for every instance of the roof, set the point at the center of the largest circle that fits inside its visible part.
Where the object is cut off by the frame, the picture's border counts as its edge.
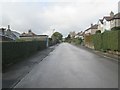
(92, 27)
(79, 33)
(2, 29)
(16, 33)
(107, 18)
(32, 36)
(30, 33)
(116, 16)
(101, 20)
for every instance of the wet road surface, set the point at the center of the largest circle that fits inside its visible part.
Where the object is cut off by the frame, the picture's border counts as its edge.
(71, 67)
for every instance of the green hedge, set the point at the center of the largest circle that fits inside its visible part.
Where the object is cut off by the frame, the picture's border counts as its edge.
(106, 41)
(76, 40)
(51, 42)
(97, 41)
(109, 40)
(13, 51)
(88, 40)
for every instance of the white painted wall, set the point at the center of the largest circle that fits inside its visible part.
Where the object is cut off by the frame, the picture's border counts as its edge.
(106, 25)
(115, 23)
(87, 32)
(100, 26)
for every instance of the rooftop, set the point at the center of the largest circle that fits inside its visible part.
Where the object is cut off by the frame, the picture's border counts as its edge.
(107, 18)
(32, 36)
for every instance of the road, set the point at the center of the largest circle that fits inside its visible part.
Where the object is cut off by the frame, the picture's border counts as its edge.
(71, 67)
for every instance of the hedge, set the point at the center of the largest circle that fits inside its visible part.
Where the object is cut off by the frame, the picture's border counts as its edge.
(97, 41)
(108, 40)
(51, 42)
(12, 51)
(76, 40)
(88, 40)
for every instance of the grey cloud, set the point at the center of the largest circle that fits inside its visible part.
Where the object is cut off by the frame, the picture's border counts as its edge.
(64, 16)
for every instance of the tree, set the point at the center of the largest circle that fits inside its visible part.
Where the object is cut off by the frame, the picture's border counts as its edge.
(68, 38)
(57, 37)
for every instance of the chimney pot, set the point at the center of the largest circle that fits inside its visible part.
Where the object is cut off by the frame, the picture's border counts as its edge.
(8, 26)
(91, 24)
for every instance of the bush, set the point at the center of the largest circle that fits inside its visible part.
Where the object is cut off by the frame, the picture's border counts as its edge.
(115, 28)
(76, 41)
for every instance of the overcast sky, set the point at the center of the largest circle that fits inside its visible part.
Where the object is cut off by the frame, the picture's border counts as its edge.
(42, 16)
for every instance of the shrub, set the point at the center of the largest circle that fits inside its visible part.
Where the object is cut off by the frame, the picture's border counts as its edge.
(76, 41)
(116, 28)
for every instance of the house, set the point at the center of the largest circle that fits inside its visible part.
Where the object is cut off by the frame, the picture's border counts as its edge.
(30, 36)
(92, 30)
(2, 31)
(115, 21)
(72, 34)
(106, 22)
(8, 35)
(2, 35)
(30, 33)
(16, 34)
(100, 25)
(79, 35)
(87, 35)
(34, 38)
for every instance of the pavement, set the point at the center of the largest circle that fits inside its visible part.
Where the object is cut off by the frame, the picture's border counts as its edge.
(68, 66)
(19, 70)
(103, 54)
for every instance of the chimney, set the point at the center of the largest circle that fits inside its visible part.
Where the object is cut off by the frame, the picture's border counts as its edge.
(91, 24)
(29, 31)
(111, 14)
(8, 26)
(3, 31)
